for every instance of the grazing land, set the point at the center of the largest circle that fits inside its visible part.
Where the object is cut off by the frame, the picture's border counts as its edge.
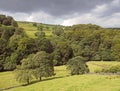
(30, 29)
(62, 81)
(49, 57)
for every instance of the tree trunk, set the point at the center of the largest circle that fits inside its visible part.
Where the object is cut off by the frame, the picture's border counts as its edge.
(28, 82)
(40, 78)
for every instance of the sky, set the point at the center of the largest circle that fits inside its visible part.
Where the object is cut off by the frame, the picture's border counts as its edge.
(105, 13)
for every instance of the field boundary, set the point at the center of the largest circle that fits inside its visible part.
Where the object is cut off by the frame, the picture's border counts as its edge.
(10, 87)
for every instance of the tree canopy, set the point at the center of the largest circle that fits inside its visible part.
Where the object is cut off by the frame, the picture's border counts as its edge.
(77, 66)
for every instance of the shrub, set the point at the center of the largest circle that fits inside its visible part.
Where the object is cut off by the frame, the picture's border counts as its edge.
(112, 69)
(77, 66)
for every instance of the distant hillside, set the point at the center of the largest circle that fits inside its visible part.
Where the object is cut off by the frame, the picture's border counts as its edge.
(32, 27)
(20, 39)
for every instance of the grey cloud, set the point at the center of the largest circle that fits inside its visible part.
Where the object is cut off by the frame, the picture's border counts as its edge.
(112, 8)
(53, 7)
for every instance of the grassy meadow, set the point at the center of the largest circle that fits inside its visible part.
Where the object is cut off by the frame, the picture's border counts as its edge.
(28, 28)
(93, 65)
(31, 30)
(62, 81)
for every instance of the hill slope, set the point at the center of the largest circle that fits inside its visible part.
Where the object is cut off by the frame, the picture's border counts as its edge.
(64, 82)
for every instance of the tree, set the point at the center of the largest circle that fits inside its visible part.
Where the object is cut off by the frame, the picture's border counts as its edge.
(26, 46)
(7, 32)
(3, 45)
(43, 65)
(13, 42)
(35, 65)
(11, 62)
(40, 27)
(2, 17)
(24, 71)
(6, 22)
(35, 24)
(77, 66)
(14, 23)
(1, 65)
(87, 53)
(116, 52)
(20, 31)
(63, 53)
(23, 76)
(10, 19)
(44, 44)
(40, 34)
(58, 31)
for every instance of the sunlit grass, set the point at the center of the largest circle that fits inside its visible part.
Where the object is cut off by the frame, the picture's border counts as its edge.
(7, 79)
(95, 65)
(63, 81)
(31, 30)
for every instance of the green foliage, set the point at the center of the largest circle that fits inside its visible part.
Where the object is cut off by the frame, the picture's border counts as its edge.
(2, 17)
(1, 65)
(20, 31)
(35, 24)
(44, 44)
(62, 53)
(3, 45)
(14, 23)
(13, 43)
(10, 35)
(36, 65)
(8, 21)
(77, 66)
(11, 62)
(24, 71)
(85, 27)
(26, 46)
(43, 65)
(112, 69)
(58, 30)
(86, 40)
(40, 34)
(116, 51)
(86, 82)
(93, 42)
(23, 75)
(40, 27)
(7, 32)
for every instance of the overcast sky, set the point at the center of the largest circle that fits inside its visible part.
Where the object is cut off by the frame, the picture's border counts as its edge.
(105, 13)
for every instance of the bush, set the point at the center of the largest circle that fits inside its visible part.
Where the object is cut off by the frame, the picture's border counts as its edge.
(97, 70)
(112, 69)
(35, 24)
(77, 66)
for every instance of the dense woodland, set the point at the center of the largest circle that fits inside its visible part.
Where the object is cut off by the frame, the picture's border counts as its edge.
(88, 41)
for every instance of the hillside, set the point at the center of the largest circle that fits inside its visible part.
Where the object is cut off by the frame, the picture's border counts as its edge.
(28, 28)
(32, 27)
(44, 57)
(59, 45)
(64, 82)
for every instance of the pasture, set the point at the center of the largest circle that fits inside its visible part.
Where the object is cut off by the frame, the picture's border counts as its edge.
(62, 81)
(31, 30)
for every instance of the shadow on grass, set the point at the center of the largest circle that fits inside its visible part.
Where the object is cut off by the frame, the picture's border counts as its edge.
(10, 87)
(33, 82)
(37, 81)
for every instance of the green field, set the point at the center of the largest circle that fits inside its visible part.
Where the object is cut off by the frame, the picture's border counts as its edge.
(28, 28)
(101, 64)
(62, 81)
(31, 30)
